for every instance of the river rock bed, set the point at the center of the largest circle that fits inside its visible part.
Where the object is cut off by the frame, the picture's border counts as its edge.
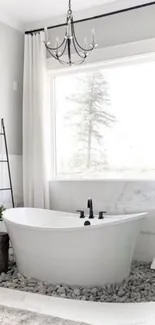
(140, 286)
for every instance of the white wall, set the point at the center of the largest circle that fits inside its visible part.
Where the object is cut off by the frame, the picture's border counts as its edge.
(115, 196)
(11, 75)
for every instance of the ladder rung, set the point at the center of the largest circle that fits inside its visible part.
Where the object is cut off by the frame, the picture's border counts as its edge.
(5, 189)
(3, 161)
(1, 133)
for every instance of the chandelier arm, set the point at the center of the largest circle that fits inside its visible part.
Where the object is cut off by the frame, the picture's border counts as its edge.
(77, 42)
(57, 58)
(54, 56)
(82, 48)
(82, 57)
(73, 64)
(78, 62)
(56, 48)
(62, 53)
(63, 62)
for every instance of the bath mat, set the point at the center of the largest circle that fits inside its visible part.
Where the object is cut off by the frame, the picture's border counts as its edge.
(23, 317)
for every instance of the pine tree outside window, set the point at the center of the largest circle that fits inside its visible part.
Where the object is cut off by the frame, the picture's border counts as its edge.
(105, 122)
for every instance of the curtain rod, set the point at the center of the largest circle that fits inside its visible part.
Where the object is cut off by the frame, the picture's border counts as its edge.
(96, 17)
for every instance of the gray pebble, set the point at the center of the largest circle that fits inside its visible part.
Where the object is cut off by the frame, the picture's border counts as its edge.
(92, 298)
(121, 293)
(40, 284)
(50, 288)
(14, 285)
(33, 281)
(63, 295)
(73, 296)
(123, 299)
(94, 291)
(29, 289)
(61, 290)
(23, 284)
(83, 298)
(42, 291)
(3, 274)
(102, 298)
(77, 292)
(29, 284)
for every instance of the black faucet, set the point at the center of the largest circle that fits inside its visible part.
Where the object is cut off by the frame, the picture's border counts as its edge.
(90, 206)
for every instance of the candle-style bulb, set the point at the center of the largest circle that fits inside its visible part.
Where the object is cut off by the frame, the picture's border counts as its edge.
(57, 42)
(46, 34)
(93, 36)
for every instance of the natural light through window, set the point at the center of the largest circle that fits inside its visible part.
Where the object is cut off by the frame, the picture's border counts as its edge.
(105, 123)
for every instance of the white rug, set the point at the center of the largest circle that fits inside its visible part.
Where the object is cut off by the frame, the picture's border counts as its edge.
(11, 316)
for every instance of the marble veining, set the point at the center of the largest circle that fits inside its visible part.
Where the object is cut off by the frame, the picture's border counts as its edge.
(19, 317)
(118, 196)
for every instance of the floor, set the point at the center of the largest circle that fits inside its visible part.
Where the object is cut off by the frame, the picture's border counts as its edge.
(89, 312)
(16, 316)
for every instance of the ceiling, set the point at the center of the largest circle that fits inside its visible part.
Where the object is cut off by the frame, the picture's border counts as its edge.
(25, 12)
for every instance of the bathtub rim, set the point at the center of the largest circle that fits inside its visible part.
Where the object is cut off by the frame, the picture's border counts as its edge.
(135, 216)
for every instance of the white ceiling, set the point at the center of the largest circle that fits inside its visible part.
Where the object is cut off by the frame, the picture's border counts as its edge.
(26, 12)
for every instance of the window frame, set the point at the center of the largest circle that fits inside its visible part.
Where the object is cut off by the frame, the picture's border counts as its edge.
(117, 56)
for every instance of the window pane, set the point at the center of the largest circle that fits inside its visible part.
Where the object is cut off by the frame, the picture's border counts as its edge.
(105, 123)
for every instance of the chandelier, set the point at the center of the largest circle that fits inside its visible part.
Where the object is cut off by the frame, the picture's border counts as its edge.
(64, 51)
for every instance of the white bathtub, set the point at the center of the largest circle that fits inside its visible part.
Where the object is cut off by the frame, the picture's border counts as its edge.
(56, 247)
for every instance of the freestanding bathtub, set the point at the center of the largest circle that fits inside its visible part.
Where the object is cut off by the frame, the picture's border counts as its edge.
(56, 247)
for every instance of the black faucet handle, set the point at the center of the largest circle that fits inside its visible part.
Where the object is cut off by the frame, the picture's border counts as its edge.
(101, 214)
(89, 202)
(81, 213)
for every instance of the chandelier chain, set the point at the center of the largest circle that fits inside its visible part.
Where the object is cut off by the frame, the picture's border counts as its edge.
(69, 5)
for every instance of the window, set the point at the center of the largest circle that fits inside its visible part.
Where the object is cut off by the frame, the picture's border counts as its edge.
(105, 122)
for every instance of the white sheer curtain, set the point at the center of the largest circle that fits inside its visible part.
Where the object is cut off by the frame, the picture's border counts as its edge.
(36, 124)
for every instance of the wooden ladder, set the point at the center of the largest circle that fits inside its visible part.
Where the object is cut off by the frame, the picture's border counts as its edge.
(3, 134)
